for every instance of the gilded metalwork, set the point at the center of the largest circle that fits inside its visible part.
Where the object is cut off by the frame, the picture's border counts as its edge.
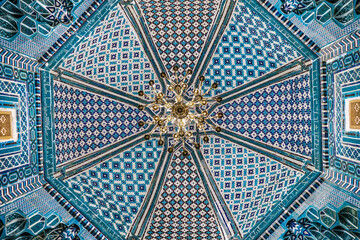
(178, 111)
(354, 112)
(5, 125)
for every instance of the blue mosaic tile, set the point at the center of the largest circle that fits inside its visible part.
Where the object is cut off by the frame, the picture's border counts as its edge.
(250, 183)
(13, 159)
(116, 188)
(249, 48)
(19, 157)
(85, 122)
(183, 210)
(111, 53)
(279, 115)
(342, 149)
(40, 202)
(340, 18)
(179, 29)
(325, 196)
(36, 45)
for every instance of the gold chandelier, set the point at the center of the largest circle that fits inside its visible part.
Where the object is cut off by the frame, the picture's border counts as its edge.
(179, 112)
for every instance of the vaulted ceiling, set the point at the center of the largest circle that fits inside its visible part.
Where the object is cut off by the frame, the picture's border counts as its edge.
(235, 185)
(135, 187)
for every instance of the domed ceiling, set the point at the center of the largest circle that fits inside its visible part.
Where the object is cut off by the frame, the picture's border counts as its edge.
(239, 180)
(234, 185)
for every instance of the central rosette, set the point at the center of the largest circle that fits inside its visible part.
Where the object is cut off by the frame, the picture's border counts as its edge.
(179, 110)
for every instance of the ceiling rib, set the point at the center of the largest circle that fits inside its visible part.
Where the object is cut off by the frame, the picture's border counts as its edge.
(221, 209)
(82, 82)
(295, 67)
(79, 165)
(144, 215)
(296, 161)
(138, 22)
(221, 22)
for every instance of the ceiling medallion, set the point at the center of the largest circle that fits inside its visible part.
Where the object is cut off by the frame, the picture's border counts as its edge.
(179, 111)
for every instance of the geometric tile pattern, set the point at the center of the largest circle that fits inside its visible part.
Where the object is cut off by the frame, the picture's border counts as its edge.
(327, 195)
(115, 189)
(250, 183)
(10, 159)
(37, 45)
(111, 53)
(347, 151)
(249, 48)
(85, 122)
(311, 24)
(40, 202)
(179, 29)
(19, 159)
(279, 115)
(183, 210)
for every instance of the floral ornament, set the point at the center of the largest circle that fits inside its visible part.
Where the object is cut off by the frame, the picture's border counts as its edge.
(54, 12)
(297, 6)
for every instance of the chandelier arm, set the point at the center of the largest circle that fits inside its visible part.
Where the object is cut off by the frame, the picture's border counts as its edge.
(177, 141)
(154, 90)
(147, 96)
(207, 92)
(168, 81)
(200, 86)
(176, 77)
(164, 99)
(186, 75)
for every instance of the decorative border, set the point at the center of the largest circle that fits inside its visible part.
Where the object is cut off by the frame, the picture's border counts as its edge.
(341, 46)
(289, 210)
(19, 61)
(342, 180)
(72, 30)
(78, 216)
(324, 116)
(340, 63)
(19, 189)
(39, 124)
(289, 25)
(332, 51)
(346, 44)
(32, 174)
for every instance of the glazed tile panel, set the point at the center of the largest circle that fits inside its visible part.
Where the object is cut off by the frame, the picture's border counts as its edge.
(20, 158)
(115, 189)
(325, 196)
(179, 29)
(341, 148)
(278, 115)
(250, 183)
(322, 21)
(86, 122)
(30, 33)
(111, 53)
(249, 48)
(19, 155)
(41, 203)
(183, 210)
